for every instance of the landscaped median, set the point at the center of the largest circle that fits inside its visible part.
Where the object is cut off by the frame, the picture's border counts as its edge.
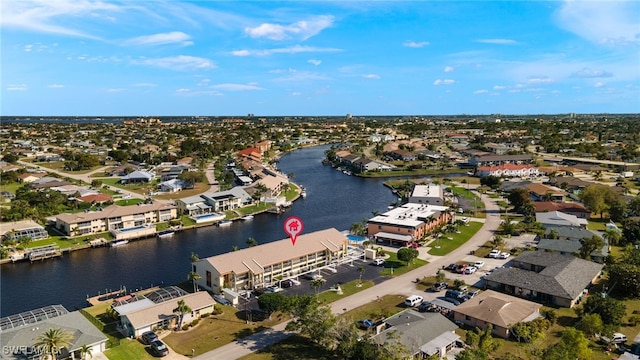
(447, 243)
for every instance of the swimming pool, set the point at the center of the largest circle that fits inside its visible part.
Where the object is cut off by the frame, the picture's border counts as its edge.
(356, 238)
(132, 228)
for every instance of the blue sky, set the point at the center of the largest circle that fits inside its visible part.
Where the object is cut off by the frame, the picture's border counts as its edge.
(137, 58)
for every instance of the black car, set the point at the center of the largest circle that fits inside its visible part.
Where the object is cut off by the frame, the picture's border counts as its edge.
(286, 283)
(451, 267)
(148, 337)
(425, 306)
(158, 348)
(451, 300)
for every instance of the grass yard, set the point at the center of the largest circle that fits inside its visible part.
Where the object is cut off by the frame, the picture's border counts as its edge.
(395, 267)
(598, 224)
(381, 308)
(129, 202)
(292, 348)
(217, 330)
(349, 288)
(446, 245)
(129, 349)
(59, 166)
(198, 189)
(12, 187)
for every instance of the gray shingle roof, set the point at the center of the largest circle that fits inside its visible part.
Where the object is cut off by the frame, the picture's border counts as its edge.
(564, 276)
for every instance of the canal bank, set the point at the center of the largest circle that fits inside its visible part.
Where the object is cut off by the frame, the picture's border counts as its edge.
(333, 200)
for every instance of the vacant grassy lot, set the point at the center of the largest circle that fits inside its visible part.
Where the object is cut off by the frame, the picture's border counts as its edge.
(349, 288)
(292, 348)
(447, 245)
(395, 267)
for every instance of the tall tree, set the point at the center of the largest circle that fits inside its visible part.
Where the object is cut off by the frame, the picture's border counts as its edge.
(590, 245)
(407, 254)
(194, 277)
(181, 310)
(518, 197)
(573, 345)
(272, 302)
(85, 350)
(52, 341)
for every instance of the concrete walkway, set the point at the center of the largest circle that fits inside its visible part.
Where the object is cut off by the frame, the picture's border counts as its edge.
(402, 285)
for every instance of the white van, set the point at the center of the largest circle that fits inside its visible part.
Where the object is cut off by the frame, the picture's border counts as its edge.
(617, 338)
(413, 300)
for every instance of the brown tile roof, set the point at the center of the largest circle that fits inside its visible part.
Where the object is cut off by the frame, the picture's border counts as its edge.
(543, 206)
(499, 309)
(255, 258)
(542, 189)
(99, 198)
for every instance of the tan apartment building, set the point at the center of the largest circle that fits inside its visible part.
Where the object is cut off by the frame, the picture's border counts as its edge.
(261, 265)
(114, 217)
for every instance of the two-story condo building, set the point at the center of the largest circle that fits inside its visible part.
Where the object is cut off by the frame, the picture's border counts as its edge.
(260, 266)
(214, 202)
(407, 223)
(114, 217)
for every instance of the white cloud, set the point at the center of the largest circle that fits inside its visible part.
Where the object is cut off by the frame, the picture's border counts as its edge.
(52, 16)
(444, 82)
(314, 62)
(448, 69)
(56, 86)
(414, 44)
(17, 87)
(598, 84)
(145, 85)
(175, 37)
(288, 50)
(295, 93)
(236, 87)
(483, 91)
(540, 80)
(499, 87)
(602, 22)
(498, 41)
(181, 62)
(297, 76)
(302, 29)
(371, 76)
(28, 48)
(591, 73)
(115, 90)
(182, 90)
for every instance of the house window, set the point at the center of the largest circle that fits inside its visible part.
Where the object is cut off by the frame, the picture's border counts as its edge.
(467, 317)
(208, 277)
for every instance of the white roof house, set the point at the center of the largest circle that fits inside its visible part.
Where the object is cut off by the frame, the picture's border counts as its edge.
(560, 219)
(427, 194)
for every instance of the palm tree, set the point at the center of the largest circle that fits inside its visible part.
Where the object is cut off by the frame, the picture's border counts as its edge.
(194, 276)
(85, 350)
(194, 257)
(252, 242)
(498, 242)
(52, 341)
(360, 272)
(182, 309)
(316, 284)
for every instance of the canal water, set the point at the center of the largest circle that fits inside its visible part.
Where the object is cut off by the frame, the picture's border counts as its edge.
(333, 200)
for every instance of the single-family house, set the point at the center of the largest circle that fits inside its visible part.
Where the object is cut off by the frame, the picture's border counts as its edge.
(423, 334)
(494, 160)
(431, 194)
(137, 176)
(25, 228)
(498, 309)
(541, 192)
(571, 208)
(546, 278)
(558, 218)
(567, 240)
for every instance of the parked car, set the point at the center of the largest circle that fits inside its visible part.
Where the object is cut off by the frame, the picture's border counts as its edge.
(504, 255)
(453, 294)
(148, 337)
(273, 289)
(460, 268)
(158, 348)
(439, 286)
(470, 295)
(286, 283)
(617, 338)
(470, 270)
(451, 267)
(426, 306)
(223, 300)
(478, 264)
(413, 300)
(377, 262)
(312, 276)
(451, 300)
(495, 253)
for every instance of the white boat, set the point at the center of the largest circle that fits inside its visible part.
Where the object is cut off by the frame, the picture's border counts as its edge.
(119, 243)
(166, 233)
(303, 194)
(247, 217)
(225, 223)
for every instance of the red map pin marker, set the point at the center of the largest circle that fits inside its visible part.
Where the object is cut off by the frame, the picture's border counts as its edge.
(293, 226)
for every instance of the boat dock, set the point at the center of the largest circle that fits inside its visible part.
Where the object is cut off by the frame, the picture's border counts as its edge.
(44, 252)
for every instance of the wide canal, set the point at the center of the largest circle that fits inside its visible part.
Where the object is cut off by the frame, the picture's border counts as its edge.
(333, 200)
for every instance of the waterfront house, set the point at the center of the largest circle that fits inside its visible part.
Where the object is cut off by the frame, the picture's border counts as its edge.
(498, 309)
(495, 160)
(19, 229)
(214, 202)
(19, 332)
(154, 311)
(423, 334)
(507, 170)
(114, 217)
(546, 278)
(407, 223)
(262, 265)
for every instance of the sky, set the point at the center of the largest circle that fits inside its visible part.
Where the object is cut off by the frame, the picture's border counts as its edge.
(333, 58)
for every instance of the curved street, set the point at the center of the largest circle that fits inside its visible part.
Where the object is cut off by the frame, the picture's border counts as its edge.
(402, 285)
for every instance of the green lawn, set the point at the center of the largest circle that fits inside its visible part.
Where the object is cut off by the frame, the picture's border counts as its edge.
(12, 187)
(59, 166)
(349, 288)
(293, 347)
(446, 245)
(129, 202)
(395, 267)
(129, 349)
